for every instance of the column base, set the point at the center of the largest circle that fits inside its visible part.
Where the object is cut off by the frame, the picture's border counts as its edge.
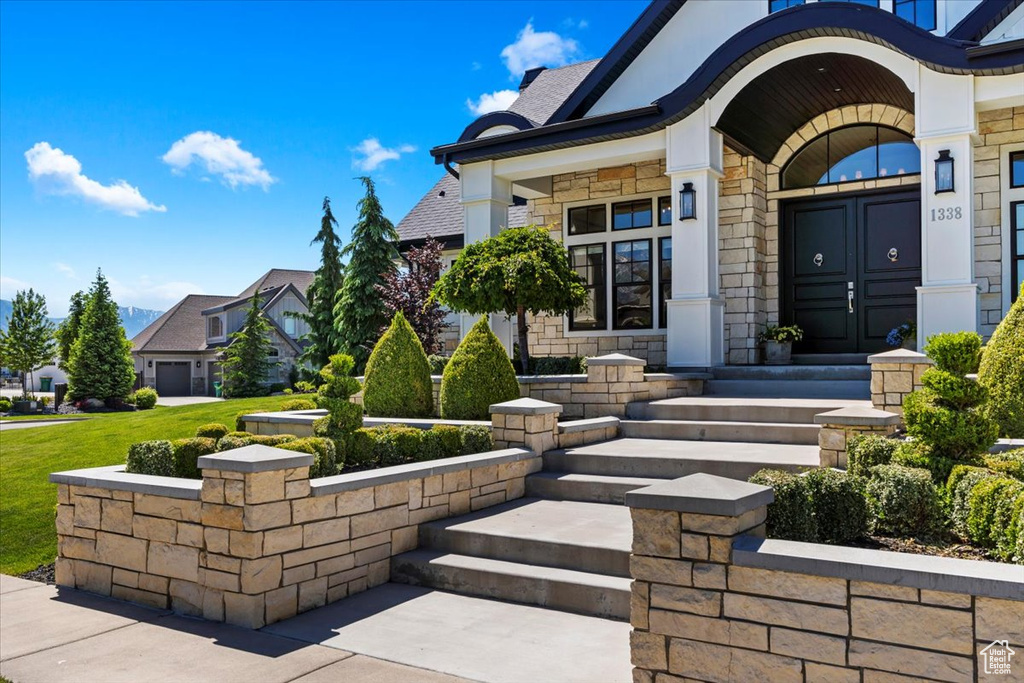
(946, 308)
(695, 332)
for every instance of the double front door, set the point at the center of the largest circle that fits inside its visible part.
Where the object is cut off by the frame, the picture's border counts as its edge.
(850, 266)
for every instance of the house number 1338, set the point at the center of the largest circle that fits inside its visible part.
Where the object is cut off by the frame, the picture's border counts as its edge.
(947, 214)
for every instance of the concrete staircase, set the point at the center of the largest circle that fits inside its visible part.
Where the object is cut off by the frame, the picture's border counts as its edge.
(847, 382)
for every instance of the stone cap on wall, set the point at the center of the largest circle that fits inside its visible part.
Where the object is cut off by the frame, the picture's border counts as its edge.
(115, 478)
(255, 458)
(525, 406)
(705, 494)
(588, 424)
(615, 359)
(953, 575)
(897, 356)
(858, 416)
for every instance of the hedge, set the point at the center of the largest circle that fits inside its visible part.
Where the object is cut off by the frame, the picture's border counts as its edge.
(865, 451)
(187, 453)
(1002, 371)
(840, 508)
(791, 514)
(397, 380)
(214, 430)
(1010, 463)
(230, 442)
(397, 444)
(151, 457)
(478, 375)
(325, 455)
(903, 500)
(298, 404)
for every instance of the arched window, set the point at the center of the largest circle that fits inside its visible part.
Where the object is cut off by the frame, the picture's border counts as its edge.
(851, 154)
(216, 327)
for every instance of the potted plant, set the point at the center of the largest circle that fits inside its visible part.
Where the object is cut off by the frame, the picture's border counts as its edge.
(778, 343)
(903, 336)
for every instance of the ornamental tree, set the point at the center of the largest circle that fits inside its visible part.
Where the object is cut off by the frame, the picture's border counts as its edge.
(100, 364)
(247, 360)
(323, 295)
(28, 343)
(408, 293)
(519, 270)
(360, 313)
(69, 328)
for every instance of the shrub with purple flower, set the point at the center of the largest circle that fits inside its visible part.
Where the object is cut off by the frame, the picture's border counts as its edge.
(898, 335)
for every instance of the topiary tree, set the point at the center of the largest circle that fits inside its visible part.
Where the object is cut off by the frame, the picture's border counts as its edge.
(478, 375)
(247, 360)
(397, 382)
(28, 342)
(101, 364)
(519, 270)
(1002, 371)
(343, 416)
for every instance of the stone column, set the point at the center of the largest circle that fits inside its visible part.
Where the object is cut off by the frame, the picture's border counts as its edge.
(525, 422)
(613, 381)
(839, 426)
(894, 374)
(683, 533)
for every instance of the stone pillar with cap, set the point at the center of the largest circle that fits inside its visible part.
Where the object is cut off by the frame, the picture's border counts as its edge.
(613, 381)
(894, 374)
(839, 426)
(525, 422)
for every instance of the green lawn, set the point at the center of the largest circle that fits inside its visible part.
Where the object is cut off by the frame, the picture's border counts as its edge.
(27, 456)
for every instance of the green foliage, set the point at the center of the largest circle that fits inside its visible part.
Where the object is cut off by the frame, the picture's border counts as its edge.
(518, 271)
(961, 482)
(322, 296)
(791, 514)
(151, 457)
(903, 500)
(343, 416)
(214, 430)
(777, 333)
(397, 382)
(303, 387)
(478, 375)
(5, 404)
(865, 451)
(101, 364)
(550, 365)
(958, 353)
(441, 441)
(1002, 371)
(840, 509)
(298, 404)
(239, 434)
(360, 313)
(28, 342)
(395, 444)
(957, 392)
(437, 363)
(917, 455)
(67, 331)
(475, 439)
(1009, 463)
(187, 452)
(230, 443)
(324, 452)
(247, 360)
(145, 398)
(271, 439)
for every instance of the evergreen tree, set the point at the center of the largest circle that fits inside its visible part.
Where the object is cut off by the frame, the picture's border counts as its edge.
(28, 342)
(361, 314)
(323, 295)
(68, 330)
(100, 364)
(247, 358)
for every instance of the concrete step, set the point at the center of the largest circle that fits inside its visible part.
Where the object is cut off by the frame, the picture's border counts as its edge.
(830, 358)
(563, 589)
(581, 536)
(846, 389)
(667, 459)
(594, 488)
(793, 372)
(726, 409)
(704, 430)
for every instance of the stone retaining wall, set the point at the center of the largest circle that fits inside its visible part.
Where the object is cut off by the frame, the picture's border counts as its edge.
(839, 426)
(714, 601)
(894, 374)
(256, 541)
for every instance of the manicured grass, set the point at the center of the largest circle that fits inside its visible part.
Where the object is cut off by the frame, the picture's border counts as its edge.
(27, 456)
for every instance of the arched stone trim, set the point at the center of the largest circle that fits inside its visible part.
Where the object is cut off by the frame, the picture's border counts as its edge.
(881, 114)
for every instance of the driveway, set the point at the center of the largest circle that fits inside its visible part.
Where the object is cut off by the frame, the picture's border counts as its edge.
(174, 401)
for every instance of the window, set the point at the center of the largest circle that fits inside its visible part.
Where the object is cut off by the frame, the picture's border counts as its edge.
(664, 279)
(214, 327)
(1017, 169)
(921, 13)
(777, 5)
(629, 215)
(664, 211)
(631, 288)
(850, 154)
(1016, 247)
(273, 352)
(585, 220)
(289, 326)
(588, 261)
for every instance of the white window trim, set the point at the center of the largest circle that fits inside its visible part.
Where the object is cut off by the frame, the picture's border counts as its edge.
(654, 233)
(223, 328)
(1007, 196)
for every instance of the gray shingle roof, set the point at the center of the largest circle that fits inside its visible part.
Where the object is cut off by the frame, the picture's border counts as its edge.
(549, 89)
(180, 329)
(278, 277)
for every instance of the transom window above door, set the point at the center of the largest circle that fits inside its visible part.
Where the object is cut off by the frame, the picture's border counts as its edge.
(852, 154)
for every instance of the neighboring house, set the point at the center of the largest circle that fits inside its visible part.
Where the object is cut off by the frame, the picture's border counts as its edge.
(845, 166)
(179, 353)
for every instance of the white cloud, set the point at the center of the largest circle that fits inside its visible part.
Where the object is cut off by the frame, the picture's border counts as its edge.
(371, 154)
(146, 293)
(55, 172)
(476, 66)
(220, 156)
(9, 286)
(64, 268)
(499, 100)
(581, 24)
(531, 49)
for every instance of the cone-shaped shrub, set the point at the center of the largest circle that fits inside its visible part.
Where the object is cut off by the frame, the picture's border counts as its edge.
(478, 375)
(397, 382)
(1002, 371)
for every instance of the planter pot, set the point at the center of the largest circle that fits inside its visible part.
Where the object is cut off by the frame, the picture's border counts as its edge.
(777, 353)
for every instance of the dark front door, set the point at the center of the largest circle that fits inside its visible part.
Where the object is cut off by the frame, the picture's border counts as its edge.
(850, 268)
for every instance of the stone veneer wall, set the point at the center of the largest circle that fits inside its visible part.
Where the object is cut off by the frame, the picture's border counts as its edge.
(714, 601)
(996, 129)
(894, 374)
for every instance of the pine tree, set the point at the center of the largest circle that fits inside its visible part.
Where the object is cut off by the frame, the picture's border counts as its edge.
(100, 364)
(28, 342)
(323, 295)
(68, 330)
(360, 314)
(247, 358)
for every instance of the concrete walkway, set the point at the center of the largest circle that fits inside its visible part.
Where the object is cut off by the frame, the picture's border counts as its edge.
(29, 424)
(174, 401)
(390, 633)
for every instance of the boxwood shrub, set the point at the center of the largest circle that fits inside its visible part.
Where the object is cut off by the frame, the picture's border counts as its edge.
(187, 453)
(396, 444)
(864, 451)
(5, 404)
(235, 440)
(962, 481)
(214, 430)
(984, 499)
(145, 398)
(840, 508)
(475, 439)
(441, 441)
(325, 455)
(903, 500)
(151, 457)
(478, 375)
(1010, 463)
(397, 381)
(791, 514)
(298, 404)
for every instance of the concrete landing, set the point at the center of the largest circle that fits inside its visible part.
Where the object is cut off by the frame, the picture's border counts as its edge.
(483, 640)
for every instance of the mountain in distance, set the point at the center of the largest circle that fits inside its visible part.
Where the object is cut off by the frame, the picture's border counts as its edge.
(133, 319)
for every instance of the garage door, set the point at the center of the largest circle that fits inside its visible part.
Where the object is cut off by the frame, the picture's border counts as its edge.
(173, 379)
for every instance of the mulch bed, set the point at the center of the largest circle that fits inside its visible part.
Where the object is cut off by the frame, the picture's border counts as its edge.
(44, 573)
(948, 547)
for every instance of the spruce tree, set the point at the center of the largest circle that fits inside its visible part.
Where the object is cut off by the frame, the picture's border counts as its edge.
(361, 314)
(323, 295)
(28, 343)
(69, 328)
(100, 364)
(247, 358)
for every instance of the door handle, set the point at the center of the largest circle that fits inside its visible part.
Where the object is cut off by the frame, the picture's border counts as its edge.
(849, 301)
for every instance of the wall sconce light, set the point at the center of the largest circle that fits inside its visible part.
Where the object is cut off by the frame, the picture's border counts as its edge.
(687, 202)
(944, 173)
(149, 364)
(199, 364)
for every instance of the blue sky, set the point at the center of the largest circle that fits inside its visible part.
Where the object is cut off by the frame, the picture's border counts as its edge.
(186, 147)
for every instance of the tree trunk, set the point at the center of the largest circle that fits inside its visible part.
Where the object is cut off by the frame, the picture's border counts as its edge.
(524, 350)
